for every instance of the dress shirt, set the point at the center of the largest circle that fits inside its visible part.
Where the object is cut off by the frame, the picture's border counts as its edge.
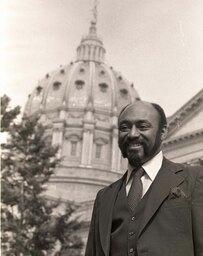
(151, 169)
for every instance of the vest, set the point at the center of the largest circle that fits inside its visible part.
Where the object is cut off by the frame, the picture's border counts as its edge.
(125, 224)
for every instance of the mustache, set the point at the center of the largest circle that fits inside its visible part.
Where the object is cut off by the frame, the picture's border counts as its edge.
(126, 141)
(134, 141)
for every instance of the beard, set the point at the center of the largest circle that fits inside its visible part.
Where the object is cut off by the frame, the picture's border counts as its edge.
(134, 156)
(134, 159)
(140, 155)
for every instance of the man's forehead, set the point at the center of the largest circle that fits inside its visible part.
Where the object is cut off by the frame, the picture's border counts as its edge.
(138, 107)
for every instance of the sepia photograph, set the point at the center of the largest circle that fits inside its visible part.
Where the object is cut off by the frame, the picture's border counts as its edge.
(101, 127)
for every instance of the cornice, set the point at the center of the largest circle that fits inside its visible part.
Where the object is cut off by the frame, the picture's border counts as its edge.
(184, 137)
(76, 180)
(178, 117)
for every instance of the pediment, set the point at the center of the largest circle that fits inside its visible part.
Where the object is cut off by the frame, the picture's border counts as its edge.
(188, 119)
(192, 124)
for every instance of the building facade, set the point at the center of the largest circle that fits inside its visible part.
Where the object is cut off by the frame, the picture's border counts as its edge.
(184, 143)
(79, 104)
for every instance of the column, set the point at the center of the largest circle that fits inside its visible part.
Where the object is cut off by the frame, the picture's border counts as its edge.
(114, 153)
(57, 136)
(87, 143)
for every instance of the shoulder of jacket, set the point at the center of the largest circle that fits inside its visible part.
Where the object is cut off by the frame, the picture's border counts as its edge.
(185, 167)
(193, 168)
(107, 188)
(193, 172)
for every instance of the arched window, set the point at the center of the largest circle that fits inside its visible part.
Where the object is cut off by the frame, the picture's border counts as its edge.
(72, 146)
(79, 84)
(73, 150)
(38, 90)
(98, 151)
(103, 87)
(82, 70)
(56, 85)
(124, 93)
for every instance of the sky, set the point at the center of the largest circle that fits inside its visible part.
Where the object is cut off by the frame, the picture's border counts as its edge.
(155, 44)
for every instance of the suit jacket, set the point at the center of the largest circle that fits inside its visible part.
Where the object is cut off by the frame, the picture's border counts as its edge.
(172, 223)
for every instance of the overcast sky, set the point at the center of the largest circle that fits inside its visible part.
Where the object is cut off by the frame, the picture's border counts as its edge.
(156, 44)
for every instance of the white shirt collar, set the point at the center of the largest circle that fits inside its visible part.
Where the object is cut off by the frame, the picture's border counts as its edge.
(151, 167)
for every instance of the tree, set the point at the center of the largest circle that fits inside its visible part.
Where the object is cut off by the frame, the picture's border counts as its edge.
(7, 115)
(28, 161)
(66, 229)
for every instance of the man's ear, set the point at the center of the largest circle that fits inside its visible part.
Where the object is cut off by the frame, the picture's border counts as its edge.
(164, 133)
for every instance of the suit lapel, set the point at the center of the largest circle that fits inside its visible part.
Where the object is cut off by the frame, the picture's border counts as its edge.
(105, 214)
(170, 175)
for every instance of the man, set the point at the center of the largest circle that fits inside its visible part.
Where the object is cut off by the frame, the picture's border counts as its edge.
(156, 208)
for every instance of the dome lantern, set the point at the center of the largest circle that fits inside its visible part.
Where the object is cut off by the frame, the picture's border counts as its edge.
(91, 46)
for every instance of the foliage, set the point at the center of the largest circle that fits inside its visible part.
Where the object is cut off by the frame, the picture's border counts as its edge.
(66, 229)
(28, 161)
(7, 115)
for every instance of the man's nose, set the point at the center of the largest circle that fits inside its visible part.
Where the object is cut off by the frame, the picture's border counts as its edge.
(134, 132)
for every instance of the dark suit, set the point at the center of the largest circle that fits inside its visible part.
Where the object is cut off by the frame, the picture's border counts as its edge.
(172, 223)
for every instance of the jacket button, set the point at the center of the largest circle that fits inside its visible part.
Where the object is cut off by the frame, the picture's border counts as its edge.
(131, 250)
(133, 218)
(131, 233)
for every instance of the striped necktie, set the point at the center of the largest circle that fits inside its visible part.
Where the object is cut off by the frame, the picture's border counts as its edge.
(135, 192)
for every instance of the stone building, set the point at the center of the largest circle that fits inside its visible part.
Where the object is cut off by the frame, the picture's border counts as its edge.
(79, 105)
(185, 138)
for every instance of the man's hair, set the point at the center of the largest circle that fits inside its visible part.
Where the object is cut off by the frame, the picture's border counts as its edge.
(159, 109)
(122, 110)
(163, 120)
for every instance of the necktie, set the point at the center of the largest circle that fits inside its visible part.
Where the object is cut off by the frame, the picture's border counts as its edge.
(135, 192)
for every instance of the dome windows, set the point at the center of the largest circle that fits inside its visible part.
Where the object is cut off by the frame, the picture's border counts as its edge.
(56, 85)
(79, 84)
(82, 70)
(98, 151)
(38, 90)
(103, 87)
(73, 150)
(100, 148)
(72, 146)
(62, 71)
(102, 72)
(124, 92)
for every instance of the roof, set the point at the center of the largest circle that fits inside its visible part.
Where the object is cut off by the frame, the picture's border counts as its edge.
(191, 111)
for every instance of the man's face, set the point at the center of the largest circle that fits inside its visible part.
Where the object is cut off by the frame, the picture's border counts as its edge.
(139, 133)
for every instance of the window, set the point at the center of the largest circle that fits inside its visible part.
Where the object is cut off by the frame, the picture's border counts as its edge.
(82, 70)
(73, 148)
(98, 151)
(103, 87)
(124, 93)
(79, 84)
(38, 90)
(56, 85)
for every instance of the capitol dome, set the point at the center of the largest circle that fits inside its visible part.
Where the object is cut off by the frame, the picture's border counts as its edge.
(84, 83)
(79, 104)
